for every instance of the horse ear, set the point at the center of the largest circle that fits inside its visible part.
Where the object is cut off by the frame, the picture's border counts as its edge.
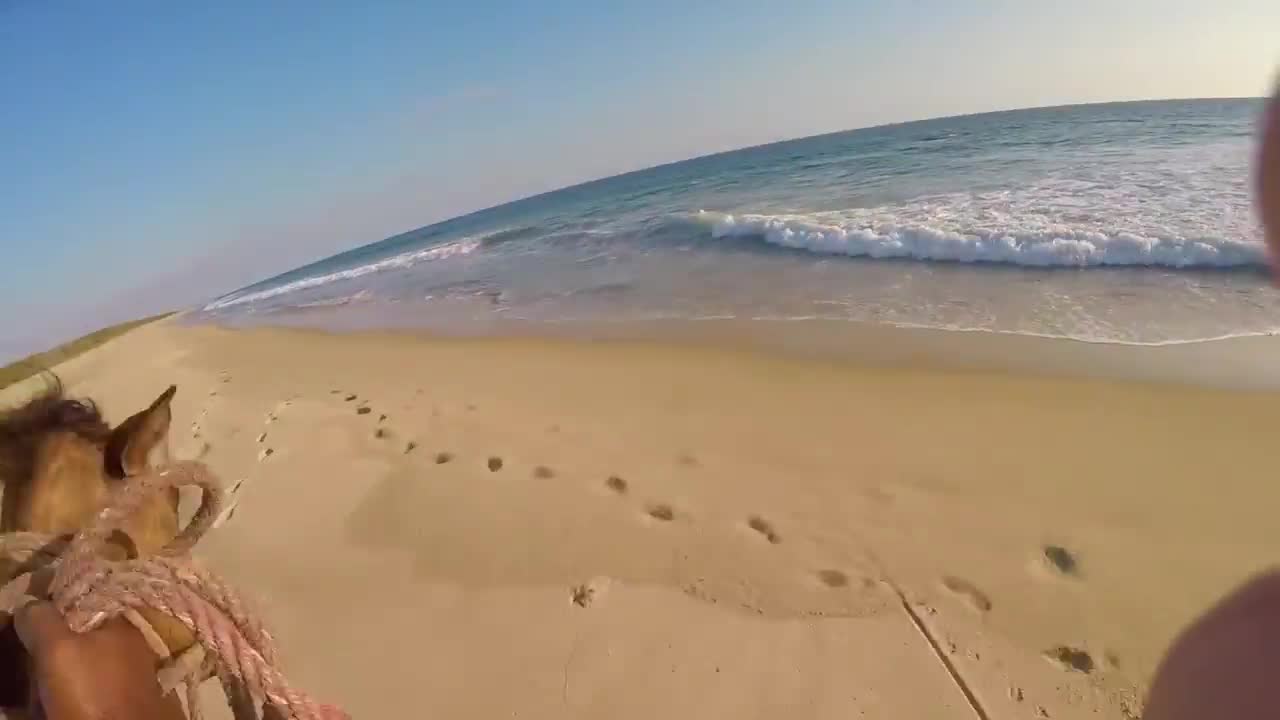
(142, 441)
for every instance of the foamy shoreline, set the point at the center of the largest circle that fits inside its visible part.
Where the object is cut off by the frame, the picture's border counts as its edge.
(1243, 362)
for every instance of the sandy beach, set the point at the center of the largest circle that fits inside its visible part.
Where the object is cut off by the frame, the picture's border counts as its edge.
(550, 528)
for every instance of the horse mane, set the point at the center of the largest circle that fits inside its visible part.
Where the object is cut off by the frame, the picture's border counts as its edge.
(50, 411)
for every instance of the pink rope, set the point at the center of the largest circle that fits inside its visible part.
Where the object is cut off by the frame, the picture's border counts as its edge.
(89, 589)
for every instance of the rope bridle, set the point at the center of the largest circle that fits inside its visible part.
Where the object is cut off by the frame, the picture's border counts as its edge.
(89, 589)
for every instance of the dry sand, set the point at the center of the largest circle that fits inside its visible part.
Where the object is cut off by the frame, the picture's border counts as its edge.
(549, 529)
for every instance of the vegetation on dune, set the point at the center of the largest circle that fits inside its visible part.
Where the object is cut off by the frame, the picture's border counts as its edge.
(20, 370)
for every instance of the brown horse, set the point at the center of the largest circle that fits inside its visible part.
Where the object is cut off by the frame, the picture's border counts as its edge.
(59, 459)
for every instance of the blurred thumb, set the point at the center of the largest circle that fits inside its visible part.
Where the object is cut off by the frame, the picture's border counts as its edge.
(1268, 179)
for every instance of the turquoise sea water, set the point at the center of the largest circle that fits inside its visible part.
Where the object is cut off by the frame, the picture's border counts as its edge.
(1126, 222)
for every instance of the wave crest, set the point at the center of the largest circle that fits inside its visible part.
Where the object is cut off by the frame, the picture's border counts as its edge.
(403, 260)
(1052, 246)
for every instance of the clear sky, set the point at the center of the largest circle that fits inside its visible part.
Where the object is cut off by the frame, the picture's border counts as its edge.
(154, 154)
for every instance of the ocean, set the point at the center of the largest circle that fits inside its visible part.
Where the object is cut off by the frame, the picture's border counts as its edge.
(1114, 223)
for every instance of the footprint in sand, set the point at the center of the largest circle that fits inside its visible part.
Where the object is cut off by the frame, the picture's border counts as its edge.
(1061, 560)
(661, 511)
(967, 591)
(262, 437)
(764, 528)
(833, 578)
(265, 453)
(229, 505)
(349, 398)
(616, 484)
(1069, 658)
(494, 464)
(542, 472)
(687, 460)
(364, 410)
(380, 433)
(409, 447)
(589, 592)
(582, 595)
(444, 457)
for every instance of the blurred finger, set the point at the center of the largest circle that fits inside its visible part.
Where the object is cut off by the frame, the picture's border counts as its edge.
(1269, 181)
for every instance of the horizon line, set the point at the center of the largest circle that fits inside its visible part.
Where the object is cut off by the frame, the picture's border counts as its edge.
(800, 138)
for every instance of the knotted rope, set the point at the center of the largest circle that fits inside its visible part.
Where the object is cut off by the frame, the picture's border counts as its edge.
(88, 589)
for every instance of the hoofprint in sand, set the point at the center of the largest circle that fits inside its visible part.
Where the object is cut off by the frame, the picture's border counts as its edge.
(539, 529)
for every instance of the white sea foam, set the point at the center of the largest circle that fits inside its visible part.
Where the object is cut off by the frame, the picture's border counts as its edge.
(403, 260)
(1043, 244)
(1082, 337)
(335, 302)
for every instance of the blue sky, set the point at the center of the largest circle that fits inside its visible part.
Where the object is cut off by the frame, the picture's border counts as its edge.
(154, 154)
